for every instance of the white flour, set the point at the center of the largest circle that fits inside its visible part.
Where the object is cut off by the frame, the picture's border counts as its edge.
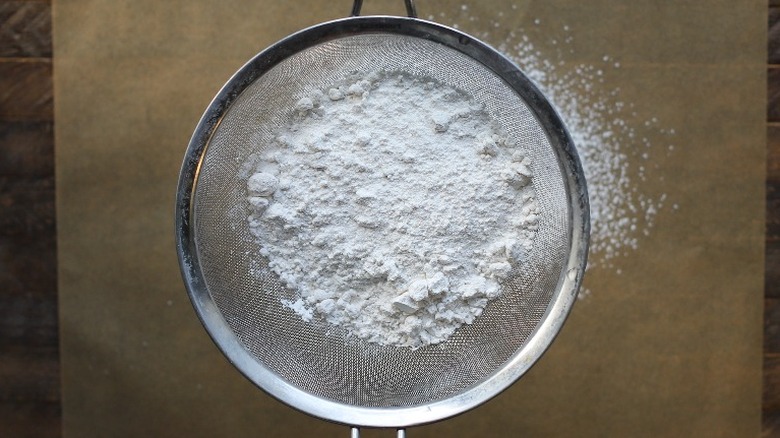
(612, 136)
(393, 207)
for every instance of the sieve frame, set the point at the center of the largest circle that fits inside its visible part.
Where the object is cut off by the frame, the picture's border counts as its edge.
(397, 417)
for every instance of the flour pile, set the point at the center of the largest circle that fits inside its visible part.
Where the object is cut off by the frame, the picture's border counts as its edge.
(394, 207)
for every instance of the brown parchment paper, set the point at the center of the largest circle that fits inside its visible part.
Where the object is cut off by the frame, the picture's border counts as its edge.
(666, 343)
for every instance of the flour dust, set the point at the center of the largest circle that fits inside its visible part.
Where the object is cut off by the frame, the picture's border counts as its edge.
(611, 135)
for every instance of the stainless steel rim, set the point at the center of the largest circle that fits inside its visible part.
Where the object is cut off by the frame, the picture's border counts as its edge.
(569, 280)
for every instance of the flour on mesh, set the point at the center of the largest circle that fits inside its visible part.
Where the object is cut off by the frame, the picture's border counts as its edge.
(393, 206)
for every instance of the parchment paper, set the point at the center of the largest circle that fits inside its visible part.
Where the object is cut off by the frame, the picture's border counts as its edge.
(666, 342)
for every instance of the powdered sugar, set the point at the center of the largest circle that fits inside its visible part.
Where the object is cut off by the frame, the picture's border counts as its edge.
(611, 134)
(405, 252)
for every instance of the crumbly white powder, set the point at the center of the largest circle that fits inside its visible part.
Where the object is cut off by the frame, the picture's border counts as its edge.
(394, 208)
(616, 154)
(612, 136)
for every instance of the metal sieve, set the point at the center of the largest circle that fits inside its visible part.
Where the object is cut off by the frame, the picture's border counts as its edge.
(315, 367)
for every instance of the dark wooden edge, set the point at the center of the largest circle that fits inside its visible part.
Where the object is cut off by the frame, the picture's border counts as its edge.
(771, 385)
(29, 342)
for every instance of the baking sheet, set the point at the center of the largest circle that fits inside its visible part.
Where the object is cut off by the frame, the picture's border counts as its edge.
(666, 340)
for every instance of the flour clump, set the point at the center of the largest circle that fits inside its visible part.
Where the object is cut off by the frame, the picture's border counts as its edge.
(393, 206)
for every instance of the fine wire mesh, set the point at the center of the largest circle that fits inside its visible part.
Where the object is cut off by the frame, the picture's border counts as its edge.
(314, 356)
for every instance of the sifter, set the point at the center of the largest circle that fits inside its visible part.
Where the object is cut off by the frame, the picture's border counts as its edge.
(314, 367)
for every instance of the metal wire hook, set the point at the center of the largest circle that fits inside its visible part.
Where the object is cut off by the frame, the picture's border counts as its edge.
(411, 9)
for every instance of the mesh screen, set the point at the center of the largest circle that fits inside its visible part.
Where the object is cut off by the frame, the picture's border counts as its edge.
(319, 358)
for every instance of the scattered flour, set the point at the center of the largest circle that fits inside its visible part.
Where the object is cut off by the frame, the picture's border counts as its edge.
(394, 208)
(612, 136)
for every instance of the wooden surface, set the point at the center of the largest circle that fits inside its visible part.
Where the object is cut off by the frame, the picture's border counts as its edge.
(771, 402)
(29, 366)
(29, 354)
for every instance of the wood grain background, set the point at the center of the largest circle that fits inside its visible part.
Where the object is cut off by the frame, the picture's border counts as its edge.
(29, 354)
(771, 402)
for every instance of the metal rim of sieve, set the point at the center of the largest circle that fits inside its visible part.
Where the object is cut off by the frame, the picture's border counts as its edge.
(569, 279)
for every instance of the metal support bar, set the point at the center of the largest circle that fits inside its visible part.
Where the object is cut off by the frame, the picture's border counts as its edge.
(411, 9)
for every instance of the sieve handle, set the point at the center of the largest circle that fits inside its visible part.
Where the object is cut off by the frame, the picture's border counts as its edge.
(356, 433)
(411, 11)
